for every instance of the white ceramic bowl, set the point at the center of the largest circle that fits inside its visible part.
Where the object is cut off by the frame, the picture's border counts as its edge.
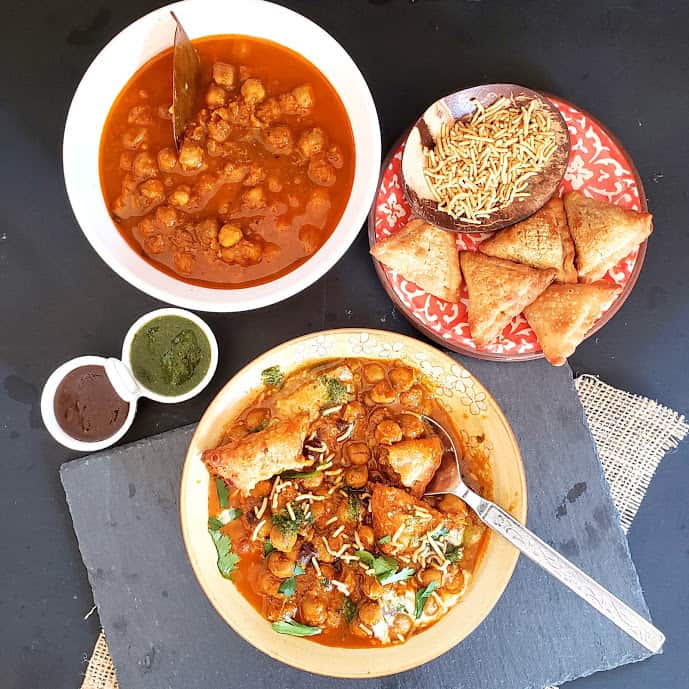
(134, 46)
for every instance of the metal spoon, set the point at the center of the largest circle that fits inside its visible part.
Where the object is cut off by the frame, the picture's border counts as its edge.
(447, 481)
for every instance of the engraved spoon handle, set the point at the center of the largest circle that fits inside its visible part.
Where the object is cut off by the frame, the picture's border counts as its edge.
(571, 576)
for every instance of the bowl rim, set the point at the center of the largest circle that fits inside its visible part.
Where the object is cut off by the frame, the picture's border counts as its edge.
(136, 271)
(519, 510)
(512, 358)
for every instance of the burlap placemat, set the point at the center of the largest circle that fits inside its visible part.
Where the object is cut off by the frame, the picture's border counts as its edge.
(632, 434)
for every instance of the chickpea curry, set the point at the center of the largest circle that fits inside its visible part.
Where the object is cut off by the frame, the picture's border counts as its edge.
(317, 510)
(262, 177)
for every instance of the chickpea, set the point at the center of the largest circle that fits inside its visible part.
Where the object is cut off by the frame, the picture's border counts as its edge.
(166, 216)
(234, 174)
(280, 564)
(282, 541)
(164, 112)
(382, 393)
(345, 513)
(255, 175)
(312, 141)
(411, 426)
(275, 608)
(153, 190)
(181, 196)
(230, 235)
(274, 184)
(223, 74)
(353, 411)
(133, 138)
(317, 510)
(356, 476)
(268, 583)
(310, 237)
(190, 157)
(372, 588)
(304, 97)
(328, 571)
(147, 226)
(431, 606)
(253, 91)
(254, 198)
(321, 172)
(374, 373)
(367, 537)
(184, 262)
(429, 574)
(412, 398)
(473, 534)
(313, 482)
(244, 253)
(369, 612)
(219, 131)
(144, 166)
(140, 114)
(401, 625)
(126, 159)
(402, 378)
(167, 159)
(454, 581)
(216, 96)
(207, 232)
(335, 157)
(452, 504)
(334, 618)
(388, 432)
(278, 140)
(314, 610)
(155, 244)
(322, 554)
(256, 418)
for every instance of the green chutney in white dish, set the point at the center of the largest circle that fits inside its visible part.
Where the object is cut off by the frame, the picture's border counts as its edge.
(170, 355)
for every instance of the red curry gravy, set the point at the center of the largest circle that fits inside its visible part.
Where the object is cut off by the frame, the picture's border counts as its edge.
(263, 176)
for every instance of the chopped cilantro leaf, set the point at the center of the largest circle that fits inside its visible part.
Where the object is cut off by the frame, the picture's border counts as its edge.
(440, 533)
(335, 390)
(299, 475)
(348, 610)
(229, 515)
(267, 548)
(421, 598)
(273, 377)
(284, 523)
(454, 553)
(223, 493)
(353, 505)
(214, 524)
(385, 539)
(292, 628)
(261, 426)
(227, 559)
(394, 577)
(289, 586)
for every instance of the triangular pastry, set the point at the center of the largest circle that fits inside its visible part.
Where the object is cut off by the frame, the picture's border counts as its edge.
(535, 241)
(424, 254)
(498, 291)
(603, 233)
(563, 315)
(567, 272)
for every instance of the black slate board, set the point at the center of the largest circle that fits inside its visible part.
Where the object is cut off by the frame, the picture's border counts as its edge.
(163, 634)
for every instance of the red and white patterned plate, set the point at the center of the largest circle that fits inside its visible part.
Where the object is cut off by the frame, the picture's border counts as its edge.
(599, 167)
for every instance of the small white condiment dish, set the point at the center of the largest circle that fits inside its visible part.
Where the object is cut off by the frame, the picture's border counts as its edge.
(123, 380)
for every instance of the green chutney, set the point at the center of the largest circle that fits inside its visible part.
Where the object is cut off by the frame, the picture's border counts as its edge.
(170, 355)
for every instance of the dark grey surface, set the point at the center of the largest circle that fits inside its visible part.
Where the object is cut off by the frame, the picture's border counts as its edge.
(625, 62)
(163, 634)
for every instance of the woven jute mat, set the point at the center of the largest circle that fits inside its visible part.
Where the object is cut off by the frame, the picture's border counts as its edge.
(632, 434)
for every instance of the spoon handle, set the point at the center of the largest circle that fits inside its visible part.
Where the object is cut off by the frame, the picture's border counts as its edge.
(571, 576)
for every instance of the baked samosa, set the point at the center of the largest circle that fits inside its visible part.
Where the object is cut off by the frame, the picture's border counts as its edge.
(498, 291)
(563, 315)
(424, 254)
(603, 233)
(567, 272)
(535, 241)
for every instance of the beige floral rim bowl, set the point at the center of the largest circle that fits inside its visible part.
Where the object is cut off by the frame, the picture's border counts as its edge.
(475, 414)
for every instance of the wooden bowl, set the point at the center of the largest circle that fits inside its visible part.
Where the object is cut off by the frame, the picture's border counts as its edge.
(474, 411)
(453, 107)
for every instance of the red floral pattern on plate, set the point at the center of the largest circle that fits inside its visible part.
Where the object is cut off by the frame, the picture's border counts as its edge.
(597, 168)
